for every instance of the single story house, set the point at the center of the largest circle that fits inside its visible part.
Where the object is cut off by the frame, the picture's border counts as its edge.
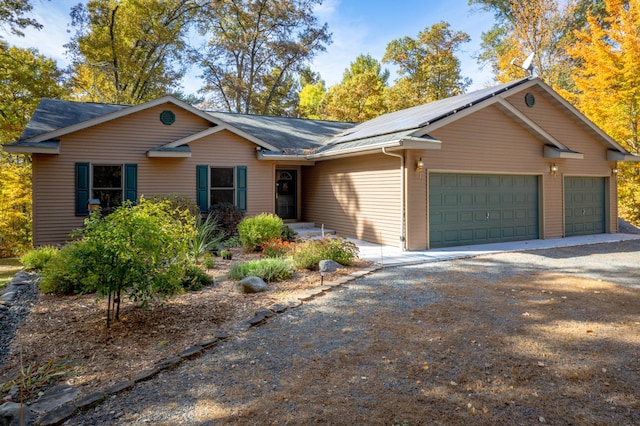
(510, 162)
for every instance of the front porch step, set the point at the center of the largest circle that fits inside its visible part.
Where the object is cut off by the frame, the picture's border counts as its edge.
(309, 230)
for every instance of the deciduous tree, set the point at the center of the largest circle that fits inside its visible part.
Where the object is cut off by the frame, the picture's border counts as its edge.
(361, 95)
(129, 51)
(255, 49)
(543, 27)
(25, 78)
(608, 86)
(13, 16)
(428, 67)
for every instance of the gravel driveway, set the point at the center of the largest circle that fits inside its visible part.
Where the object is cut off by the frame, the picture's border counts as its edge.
(548, 336)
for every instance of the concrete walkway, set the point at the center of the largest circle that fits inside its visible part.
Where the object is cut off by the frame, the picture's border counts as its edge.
(394, 256)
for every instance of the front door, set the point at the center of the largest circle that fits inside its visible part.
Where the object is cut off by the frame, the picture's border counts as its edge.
(287, 194)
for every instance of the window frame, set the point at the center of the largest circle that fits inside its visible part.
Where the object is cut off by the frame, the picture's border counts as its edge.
(233, 188)
(84, 184)
(204, 188)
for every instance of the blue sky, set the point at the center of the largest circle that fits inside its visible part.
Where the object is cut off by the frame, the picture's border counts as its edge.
(358, 27)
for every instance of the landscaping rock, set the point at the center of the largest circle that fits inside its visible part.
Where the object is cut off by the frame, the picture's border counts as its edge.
(10, 414)
(251, 285)
(329, 266)
(55, 398)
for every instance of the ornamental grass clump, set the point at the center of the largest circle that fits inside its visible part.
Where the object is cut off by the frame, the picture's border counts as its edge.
(269, 269)
(257, 230)
(308, 254)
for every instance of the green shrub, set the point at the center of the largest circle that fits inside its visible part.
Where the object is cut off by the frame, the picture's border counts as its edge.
(195, 278)
(232, 242)
(209, 261)
(228, 216)
(308, 254)
(36, 259)
(138, 249)
(177, 203)
(257, 230)
(269, 269)
(68, 271)
(288, 234)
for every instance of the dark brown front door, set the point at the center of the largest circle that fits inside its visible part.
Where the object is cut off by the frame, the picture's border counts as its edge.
(287, 194)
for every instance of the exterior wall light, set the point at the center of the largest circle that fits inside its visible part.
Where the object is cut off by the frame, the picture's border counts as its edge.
(420, 165)
(614, 171)
(553, 169)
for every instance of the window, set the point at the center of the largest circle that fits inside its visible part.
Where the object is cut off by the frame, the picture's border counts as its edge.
(222, 185)
(107, 186)
(217, 185)
(109, 183)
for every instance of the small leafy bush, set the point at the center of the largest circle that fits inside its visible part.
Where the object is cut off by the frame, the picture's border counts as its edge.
(36, 259)
(287, 233)
(269, 269)
(308, 254)
(232, 242)
(257, 230)
(228, 216)
(176, 203)
(276, 247)
(195, 278)
(68, 271)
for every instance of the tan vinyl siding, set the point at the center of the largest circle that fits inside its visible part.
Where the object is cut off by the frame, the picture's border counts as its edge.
(357, 197)
(127, 140)
(567, 129)
(489, 141)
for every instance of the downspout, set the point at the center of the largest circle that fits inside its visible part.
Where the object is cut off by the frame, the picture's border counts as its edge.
(403, 239)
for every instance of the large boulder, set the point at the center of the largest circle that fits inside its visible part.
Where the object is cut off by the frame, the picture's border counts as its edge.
(251, 285)
(329, 266)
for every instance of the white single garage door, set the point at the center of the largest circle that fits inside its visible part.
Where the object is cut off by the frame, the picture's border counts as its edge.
(469, 209)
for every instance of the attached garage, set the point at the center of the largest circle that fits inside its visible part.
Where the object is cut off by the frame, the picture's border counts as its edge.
(584, 205)
(482, 208)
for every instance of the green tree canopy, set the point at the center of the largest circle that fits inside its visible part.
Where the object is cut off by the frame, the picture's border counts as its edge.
(129, 51)
(361, 95)
(13, 16)
(543, 27)
(428, 67)
(255, 49)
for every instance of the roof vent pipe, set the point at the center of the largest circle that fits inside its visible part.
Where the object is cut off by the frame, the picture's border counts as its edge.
(403, 239)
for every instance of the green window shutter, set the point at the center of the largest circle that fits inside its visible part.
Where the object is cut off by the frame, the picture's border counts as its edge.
(82, 189)
(202, 188)
(241, 190)
(131, 182)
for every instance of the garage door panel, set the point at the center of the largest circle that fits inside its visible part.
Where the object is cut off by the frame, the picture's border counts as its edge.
(585, 208)
(490, 208)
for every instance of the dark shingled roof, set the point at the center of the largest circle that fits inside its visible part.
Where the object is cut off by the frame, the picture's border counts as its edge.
(291, 135)
(53, 114)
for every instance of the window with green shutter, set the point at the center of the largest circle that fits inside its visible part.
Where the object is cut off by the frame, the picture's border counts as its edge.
(221, 185)
(110, 184)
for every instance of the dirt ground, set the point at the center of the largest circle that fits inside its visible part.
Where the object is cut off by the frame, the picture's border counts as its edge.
(71, 329)
(441, 346)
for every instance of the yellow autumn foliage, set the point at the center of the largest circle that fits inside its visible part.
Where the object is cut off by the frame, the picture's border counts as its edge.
(15, 206)
(608, 84)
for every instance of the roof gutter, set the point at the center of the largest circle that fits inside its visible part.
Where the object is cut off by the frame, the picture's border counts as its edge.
(403, 239)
